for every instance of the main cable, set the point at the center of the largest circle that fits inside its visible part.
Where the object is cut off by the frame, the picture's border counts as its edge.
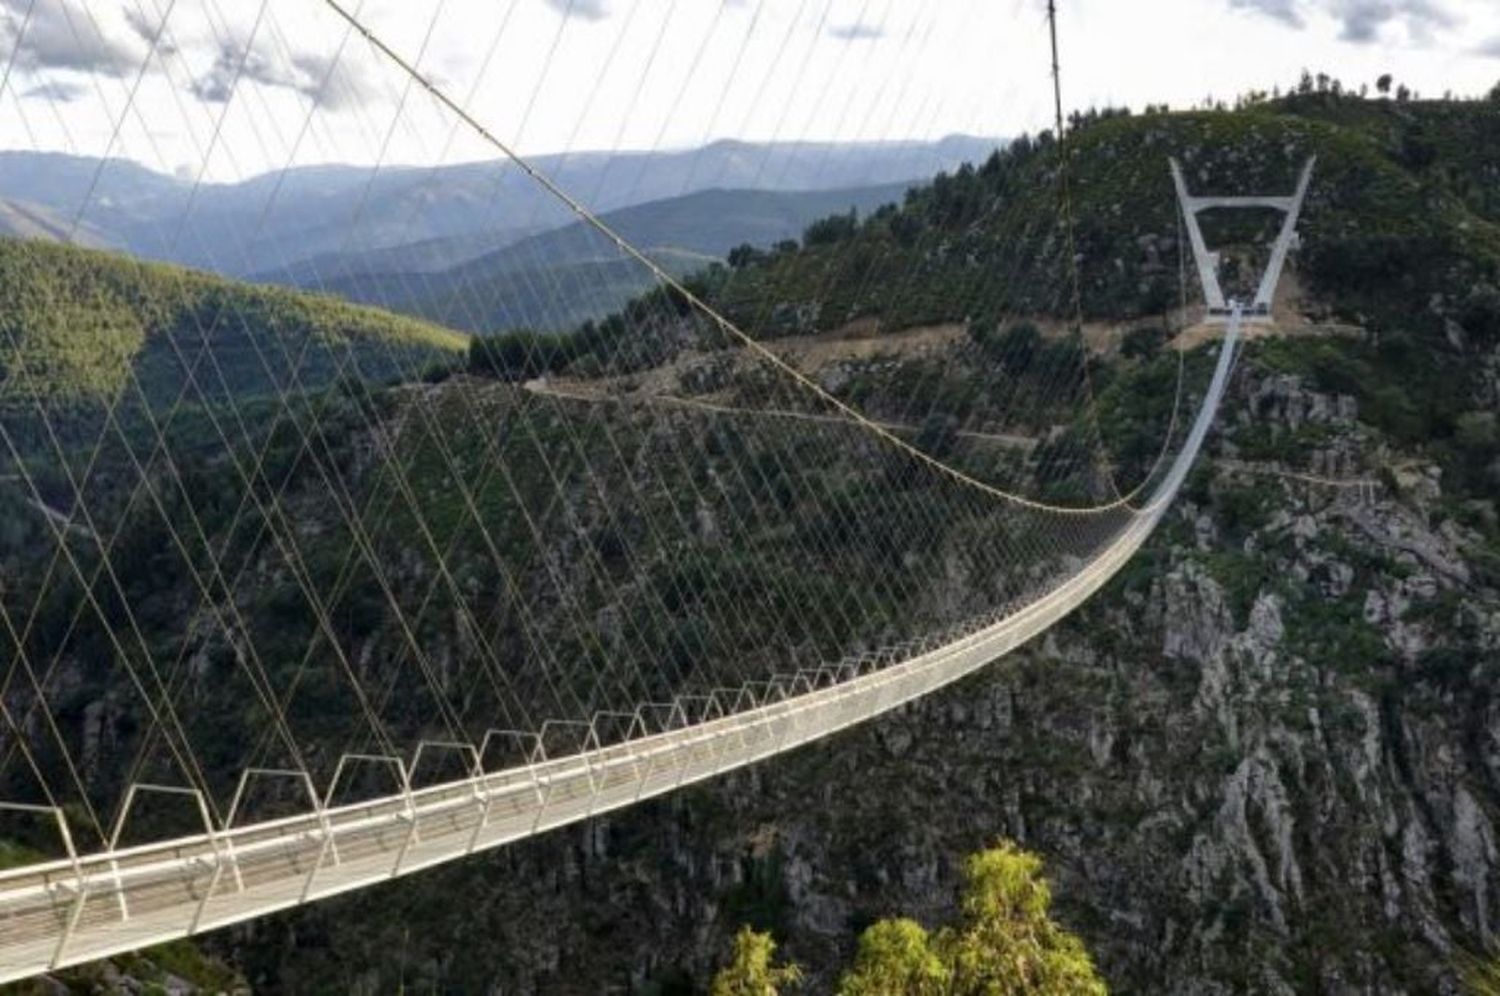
(693, 299)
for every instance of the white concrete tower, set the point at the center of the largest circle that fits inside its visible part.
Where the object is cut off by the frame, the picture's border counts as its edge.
(1208, 271)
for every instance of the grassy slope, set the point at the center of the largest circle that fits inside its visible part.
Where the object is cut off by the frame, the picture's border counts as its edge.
(74, 324)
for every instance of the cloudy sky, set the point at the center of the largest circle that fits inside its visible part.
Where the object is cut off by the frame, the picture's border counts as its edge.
(232, 88)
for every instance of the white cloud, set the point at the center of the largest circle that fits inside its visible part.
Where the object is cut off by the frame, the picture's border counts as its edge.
(62, 34)
(1282, 10)
(61, 91)
(677, 73)
(150, 32)
(1361, 21)
(588, 10)
(336, 86)
(856, 32)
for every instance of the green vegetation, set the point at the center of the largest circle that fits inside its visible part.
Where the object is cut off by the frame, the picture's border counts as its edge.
(79, 327)
(521, 354)
(1005, 944)
(154, 971)
(750, 971)
(508, 295)
(896, 957)
(14, 855)
(1382, 219)
(1421, 394)
(1143, 343)
(1480, 976)
(1007, 941)
(572, 490)
(1401, 236)
(760, 899)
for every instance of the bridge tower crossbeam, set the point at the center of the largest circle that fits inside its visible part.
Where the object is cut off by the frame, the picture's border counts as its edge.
(1259, 309)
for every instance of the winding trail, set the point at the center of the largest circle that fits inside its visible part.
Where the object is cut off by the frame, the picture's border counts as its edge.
(574, 393)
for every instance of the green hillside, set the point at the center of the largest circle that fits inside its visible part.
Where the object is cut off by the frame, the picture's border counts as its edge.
(1405, 196)
(518, 291)
(80, 327)
(1400, 236)
(1260, 760)
(708, 222)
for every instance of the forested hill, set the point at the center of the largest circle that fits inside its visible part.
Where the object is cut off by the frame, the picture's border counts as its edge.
(1405, 203)
(1400, 236)
(76, 324)
(1262, 760)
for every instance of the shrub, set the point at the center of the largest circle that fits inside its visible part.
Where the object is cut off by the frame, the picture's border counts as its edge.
(1017, 348)
(519, 355)
(937, 435)
(1477, 432)
(1480, 315)
(834, 228)
(744, 255)
(1008, 941)
(1005, 942)
(1142, 343)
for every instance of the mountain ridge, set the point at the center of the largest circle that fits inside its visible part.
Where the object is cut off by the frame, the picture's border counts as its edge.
(141, 210)
(499, 289)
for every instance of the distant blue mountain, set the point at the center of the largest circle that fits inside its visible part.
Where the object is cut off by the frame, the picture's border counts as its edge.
(450, 215)
(558, 278)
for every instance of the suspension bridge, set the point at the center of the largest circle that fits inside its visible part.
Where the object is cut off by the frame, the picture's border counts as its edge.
(559, 534)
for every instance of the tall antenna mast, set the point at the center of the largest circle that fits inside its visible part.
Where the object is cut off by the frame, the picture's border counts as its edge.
(1056, 67)
(1064, 191)
(1070, 243)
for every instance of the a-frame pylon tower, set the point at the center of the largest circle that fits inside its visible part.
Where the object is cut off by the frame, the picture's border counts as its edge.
(1213, 295)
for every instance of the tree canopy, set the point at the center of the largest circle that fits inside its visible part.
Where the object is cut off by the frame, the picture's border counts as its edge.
(1007, 941)
(750, 971)
(896, 957)
(1004, 944)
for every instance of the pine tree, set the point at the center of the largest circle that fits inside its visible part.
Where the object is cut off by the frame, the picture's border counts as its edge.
(750, 971)
(1008, 941)
(1006, 944)
(896, 958)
